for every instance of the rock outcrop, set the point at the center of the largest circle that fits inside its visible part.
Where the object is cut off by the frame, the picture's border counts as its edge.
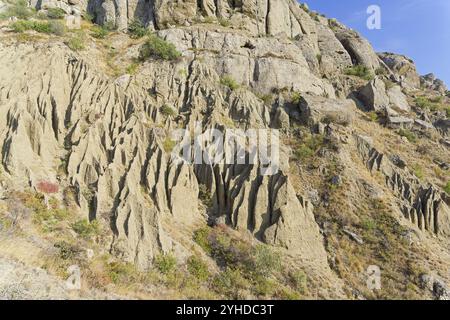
(422, 205)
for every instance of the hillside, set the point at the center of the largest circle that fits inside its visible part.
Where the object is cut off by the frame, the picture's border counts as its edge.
(88, 174)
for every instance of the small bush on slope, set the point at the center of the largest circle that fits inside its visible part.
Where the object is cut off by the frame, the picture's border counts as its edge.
(158, 48)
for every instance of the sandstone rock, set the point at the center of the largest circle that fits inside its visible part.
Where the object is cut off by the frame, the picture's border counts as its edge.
(358, 48)
(423, 206)
(398, 99)
(403, 67)
(431, 82)
(400, 122)
(315, 109)
(373, 95)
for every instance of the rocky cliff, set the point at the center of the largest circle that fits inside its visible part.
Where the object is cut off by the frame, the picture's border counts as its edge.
(357, 129)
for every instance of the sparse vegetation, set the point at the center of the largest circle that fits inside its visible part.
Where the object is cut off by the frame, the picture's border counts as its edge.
(18, 9)
(76, 42)
(25, 25)
(86, 229)
(204, 195)
(137, 30)
(418, 171)
(296, 97)
(158, 48)
(169, 145)
(165, 263)
(408, 134)
(359, 71)
(229, 82)
(373, 116)
(55, 13)
(447, 188)
(168, 111)
(198, 268)
(309, 147)
(246, 267)
(99, 32)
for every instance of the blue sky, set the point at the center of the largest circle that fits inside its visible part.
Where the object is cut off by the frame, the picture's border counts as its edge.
(419, 29)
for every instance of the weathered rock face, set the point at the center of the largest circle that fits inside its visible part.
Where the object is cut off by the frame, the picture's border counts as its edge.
(115, 159)
(403, 68)
(374, 96)
(423, 206)
(431, 82)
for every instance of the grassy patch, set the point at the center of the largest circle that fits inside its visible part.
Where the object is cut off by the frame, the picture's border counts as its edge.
(408, 134)
(309, 147)
(48, 218)
(76, 43)
(99, 32)
(198, 268)
(165, 263)
(155, 47)
(359, 71)
(86, 229)
(168, 111)
(296, 97)
(18, 9)
(229, 82)
(55, 13)
(418, 172)
(447, 188)
(137, 30)
(169, 145)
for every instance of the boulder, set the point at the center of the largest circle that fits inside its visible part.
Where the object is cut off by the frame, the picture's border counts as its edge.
(373, 95)
(397, 99)
(315, 109)
(430, 81)
(404, 69)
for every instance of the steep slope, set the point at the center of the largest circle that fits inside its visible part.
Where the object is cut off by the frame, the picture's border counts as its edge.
(106, 141)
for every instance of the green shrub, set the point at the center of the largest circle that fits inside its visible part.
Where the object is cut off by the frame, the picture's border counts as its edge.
(224, 22)
(76, 42)
(198, 268)
(296, 97)
(132, 68)
(137, 30)
(264, 287)
(168, 111)
(87, 16)
(19, 9)
(359, 71)
(229, 82)
(165, 263)
(55, 13)
(99, 32)
(408, 134)
(169, 145)
(299, 281)
(373, 116)
(418, 171)
(309, 147)
(205, 196)
(155, 47)
(447, 188)
(67, 251)
(266, 261)
(57, 28)
(120, 272)
(86, 229)
(201, 237)
(230, 282)
(25, 25)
